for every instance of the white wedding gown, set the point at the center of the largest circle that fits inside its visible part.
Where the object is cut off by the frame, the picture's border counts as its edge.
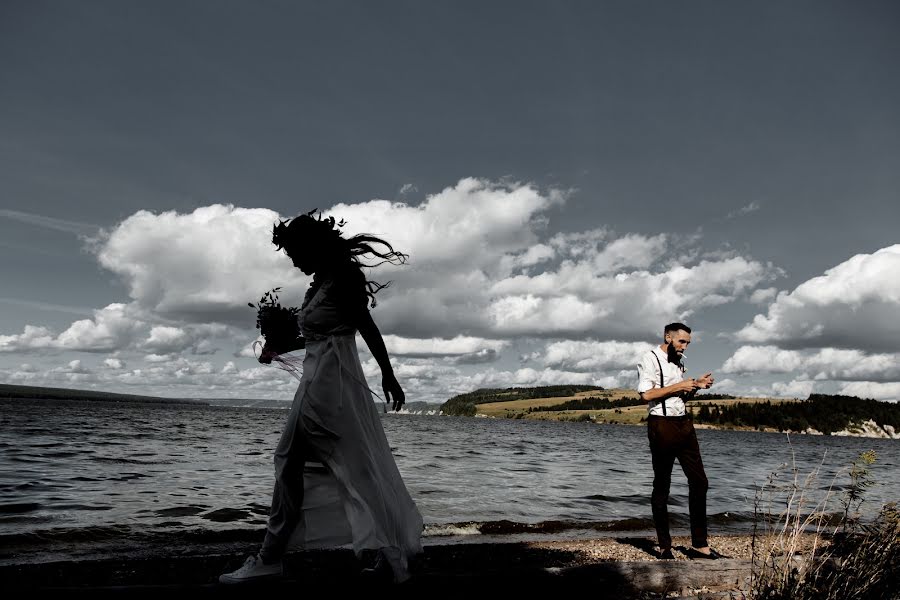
(356, 497)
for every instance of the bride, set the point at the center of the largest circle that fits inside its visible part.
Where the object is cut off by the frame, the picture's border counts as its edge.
(333, 419)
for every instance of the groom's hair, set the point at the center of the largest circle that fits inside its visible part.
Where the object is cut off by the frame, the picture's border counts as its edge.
(672, 327)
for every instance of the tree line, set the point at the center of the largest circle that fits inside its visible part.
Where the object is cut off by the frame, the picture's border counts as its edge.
(589, 403)
(464, 404)
(822, 412)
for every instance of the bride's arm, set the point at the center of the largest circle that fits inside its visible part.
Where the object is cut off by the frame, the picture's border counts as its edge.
(393, 393)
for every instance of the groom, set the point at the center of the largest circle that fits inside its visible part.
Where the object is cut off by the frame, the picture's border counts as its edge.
(662, 384)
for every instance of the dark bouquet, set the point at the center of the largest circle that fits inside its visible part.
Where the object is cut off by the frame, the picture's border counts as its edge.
(277, 323)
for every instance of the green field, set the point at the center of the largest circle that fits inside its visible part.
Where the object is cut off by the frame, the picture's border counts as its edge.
(628, 415)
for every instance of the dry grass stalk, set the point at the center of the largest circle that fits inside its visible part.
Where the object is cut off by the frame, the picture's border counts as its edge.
(852, 561)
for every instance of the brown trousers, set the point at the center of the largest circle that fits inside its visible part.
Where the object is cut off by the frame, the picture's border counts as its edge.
(674, 438)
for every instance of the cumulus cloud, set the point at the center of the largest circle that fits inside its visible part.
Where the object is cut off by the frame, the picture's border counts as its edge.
(481, 266)
(763, 295)
(528, 377)
(871, 389)
(198, 267)
(575, 301)
(74, 366)
(111, 328)
(825, 364)
(457, 346)
(114, 363)
(853, 305)
(159, 358)
(32, 338)
(592, 356)
(167, 339)
(484, 273)
(797, 388)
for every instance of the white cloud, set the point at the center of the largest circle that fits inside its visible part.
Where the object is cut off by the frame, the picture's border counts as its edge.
(763, 295)
(826, 364)
(593, 356)
(167, 339)
(527, 377)
(199, 267)
(74, 366)
(159, 358)
(471, 246)
(114, 363)
(798, 388)
(744, 210)
(459, 345)
(32, 338)
(484, 273)
(430, 381)
(853, 305)
(477, 220)
(537, 254)
(574, 301)
(872, 389)
(229, 368)
(630, 251)
(111, 328)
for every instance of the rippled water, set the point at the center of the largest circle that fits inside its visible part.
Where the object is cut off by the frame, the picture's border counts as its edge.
(78, 469)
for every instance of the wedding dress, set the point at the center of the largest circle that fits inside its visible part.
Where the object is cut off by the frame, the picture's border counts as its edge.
(355, 496)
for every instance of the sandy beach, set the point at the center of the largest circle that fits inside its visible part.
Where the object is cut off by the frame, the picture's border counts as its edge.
(612, 567)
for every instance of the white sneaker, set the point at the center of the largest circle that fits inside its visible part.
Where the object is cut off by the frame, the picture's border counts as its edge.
(253, 570)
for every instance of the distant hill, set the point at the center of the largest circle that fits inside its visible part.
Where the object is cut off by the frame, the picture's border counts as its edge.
(464, 404)
(8, 391)
(821, 412)
(49, 393)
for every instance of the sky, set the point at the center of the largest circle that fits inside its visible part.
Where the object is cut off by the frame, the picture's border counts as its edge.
(567, 178)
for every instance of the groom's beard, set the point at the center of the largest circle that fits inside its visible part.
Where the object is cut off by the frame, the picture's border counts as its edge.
(674, 357)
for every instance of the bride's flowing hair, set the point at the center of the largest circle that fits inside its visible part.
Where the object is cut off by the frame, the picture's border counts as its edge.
(323, 235)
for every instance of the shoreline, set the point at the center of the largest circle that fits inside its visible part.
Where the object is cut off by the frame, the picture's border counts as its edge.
(624, 566)
(869, 431)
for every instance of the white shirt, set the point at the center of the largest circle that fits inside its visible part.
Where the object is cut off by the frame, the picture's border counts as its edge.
(648, 378)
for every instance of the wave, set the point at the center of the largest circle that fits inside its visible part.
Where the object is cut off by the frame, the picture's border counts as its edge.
(736, 520)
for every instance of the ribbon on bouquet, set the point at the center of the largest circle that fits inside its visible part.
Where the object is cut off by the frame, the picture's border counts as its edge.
(287, 362)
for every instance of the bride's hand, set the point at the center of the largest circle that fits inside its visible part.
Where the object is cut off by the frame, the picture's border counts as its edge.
(393, 393)
(266, 356)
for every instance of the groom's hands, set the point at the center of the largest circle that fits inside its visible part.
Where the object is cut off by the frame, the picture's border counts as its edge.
(704, 382)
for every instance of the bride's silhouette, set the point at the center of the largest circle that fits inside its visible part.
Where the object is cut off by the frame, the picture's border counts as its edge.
(333, 420)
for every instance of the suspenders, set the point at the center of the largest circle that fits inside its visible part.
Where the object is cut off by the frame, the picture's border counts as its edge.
(660, 380)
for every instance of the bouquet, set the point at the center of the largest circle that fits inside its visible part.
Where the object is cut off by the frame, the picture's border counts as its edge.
(276, 323)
